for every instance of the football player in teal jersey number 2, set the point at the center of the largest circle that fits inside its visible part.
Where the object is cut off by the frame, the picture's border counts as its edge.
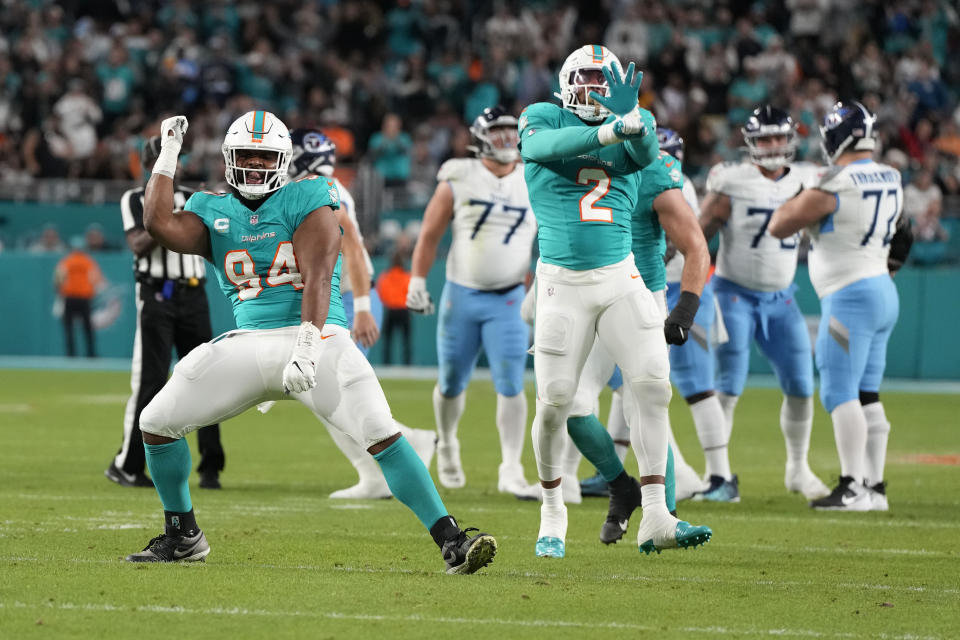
(583, 163)
(276, 250)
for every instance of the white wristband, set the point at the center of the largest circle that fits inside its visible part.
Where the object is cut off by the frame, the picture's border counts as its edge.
(166, 164)
(606, 136)
(418, 283)
(361, 303)
(308, 341)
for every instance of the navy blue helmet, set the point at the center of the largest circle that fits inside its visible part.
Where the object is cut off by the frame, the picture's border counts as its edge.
(768, 122)
(313, 153)
(494, 134)
(671, 142)
(849, 126)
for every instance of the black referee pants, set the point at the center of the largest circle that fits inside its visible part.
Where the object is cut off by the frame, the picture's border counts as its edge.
(181, 322)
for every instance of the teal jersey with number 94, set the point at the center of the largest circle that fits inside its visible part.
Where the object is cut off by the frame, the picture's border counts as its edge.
(583, 204)
(253, 252)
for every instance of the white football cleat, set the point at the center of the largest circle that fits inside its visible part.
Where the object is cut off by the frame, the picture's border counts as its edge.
(449, 469)
(689, 482)
(878, 497)
(662, 531)
(571, 489)
(553, 532)
(366, 489)
(511, 480)
(801, 479)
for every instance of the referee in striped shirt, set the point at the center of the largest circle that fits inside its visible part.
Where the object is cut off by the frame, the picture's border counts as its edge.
(172, 312)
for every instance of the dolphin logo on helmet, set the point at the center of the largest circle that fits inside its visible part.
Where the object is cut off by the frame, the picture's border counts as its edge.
(259, 131)
(582, 73)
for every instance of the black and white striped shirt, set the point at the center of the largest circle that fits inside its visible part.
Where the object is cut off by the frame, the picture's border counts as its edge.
(159, 263)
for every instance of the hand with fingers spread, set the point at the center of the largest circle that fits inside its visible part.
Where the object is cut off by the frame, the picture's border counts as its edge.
(622, 90)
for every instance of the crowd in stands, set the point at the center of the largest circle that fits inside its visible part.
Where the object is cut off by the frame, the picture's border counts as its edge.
(394, 82)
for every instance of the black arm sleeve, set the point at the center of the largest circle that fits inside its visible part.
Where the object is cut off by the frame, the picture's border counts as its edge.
(900, 245)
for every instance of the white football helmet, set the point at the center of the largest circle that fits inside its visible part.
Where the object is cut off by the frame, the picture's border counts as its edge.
(583, 68)
(257, 131)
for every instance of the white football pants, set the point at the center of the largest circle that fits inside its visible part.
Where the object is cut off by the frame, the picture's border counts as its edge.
(225, 377)
(612, 306)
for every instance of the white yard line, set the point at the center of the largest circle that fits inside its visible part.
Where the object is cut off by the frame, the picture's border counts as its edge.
(337, 615)
(427, 572)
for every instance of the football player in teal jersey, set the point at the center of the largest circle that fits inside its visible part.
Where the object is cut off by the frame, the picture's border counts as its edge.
(276, 251)
(582, 170)
(660, 207)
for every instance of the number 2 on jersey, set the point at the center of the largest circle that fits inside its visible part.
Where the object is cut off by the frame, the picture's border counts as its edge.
(589, 211)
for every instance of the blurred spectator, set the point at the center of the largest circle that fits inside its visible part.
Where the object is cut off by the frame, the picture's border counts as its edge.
(746, 93)
(390, 151)
(438, 62)
(922, 205)
(392, 287)
(49, 241)
(95, 240)
(47, 151)
(78, 279)
(118, 81)
(78, 115)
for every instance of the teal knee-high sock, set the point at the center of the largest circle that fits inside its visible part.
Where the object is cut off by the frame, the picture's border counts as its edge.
(670, 482)
(595, 444)
(169, 466)
(410, 481)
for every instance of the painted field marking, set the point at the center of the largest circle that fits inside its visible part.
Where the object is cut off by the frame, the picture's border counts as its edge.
(952, 460)
(779, 584)
(337, 615)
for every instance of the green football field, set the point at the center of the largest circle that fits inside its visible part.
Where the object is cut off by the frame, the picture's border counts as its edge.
(287, 562)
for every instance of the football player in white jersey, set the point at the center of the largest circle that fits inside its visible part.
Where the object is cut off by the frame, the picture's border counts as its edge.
(485, 201)
(754, 286)
(315, 154)
(852, 216)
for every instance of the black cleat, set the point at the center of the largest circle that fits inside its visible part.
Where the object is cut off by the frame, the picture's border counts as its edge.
(623, 502)
(173, 548)
(209, 480)
(124, 479)
(848, 495)
(465, 554)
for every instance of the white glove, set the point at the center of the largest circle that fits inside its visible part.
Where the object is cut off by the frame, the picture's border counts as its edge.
(418, 298)
(627, 127)
(300, 374)
(172, 131)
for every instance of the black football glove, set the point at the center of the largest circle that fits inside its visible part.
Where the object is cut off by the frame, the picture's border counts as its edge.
(677, 326)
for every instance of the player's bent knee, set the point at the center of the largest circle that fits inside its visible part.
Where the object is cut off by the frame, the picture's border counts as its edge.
(833, 398)
(154, 420)
(509, 385)
(451, 386)
(652, 392)
(558, 393)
